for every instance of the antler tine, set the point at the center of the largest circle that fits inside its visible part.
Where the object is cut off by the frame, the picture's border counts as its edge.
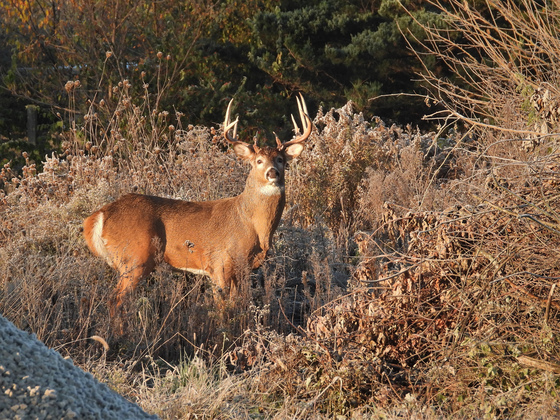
(305, 121)
(228, 113)
(302, 107)
(229, 125)
(278, 142)
(256, 148)
(296, 128)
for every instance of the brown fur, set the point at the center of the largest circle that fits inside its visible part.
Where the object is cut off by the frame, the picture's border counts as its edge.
(214, 237)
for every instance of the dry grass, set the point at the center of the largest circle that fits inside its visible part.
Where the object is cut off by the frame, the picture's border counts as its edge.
(53, 286)
(499, 65)
(50, 284)
(413, 275)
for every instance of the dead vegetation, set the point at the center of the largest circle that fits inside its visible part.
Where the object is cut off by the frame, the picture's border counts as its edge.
(418, 277)
(413, 275)
(445, 301)
(456, 310)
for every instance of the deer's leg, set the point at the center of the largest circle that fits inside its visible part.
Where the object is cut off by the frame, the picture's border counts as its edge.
(135, 266)
(233, 286)
(224, 281)
(129, 280)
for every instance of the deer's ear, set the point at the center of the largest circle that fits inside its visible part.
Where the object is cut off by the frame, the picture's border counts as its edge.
(243, 150)
(294, 150)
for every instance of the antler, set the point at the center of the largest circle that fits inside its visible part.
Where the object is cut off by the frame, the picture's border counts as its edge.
(303, 114)
(228, 125)
(305, 122)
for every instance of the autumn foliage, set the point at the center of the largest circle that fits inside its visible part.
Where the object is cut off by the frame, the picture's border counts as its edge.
(415, 272)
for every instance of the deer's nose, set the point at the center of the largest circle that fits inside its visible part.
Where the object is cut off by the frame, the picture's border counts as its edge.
(272, 174)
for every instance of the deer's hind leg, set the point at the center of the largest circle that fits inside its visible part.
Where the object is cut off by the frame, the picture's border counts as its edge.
(135, 263)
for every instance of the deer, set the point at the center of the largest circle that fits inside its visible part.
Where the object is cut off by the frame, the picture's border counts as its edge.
(215, 238)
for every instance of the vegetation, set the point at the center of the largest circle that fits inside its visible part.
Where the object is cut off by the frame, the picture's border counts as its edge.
(415, 274)
(259, 51)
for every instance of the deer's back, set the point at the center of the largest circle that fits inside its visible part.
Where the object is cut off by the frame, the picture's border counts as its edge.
(191, 235)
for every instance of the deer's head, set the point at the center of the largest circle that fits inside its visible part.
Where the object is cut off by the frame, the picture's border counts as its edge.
(269, 163)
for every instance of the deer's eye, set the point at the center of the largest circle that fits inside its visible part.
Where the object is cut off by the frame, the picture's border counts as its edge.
(280, 160)
(259, 161)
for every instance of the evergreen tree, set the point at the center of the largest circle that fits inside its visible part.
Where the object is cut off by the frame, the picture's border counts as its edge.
(339, 51)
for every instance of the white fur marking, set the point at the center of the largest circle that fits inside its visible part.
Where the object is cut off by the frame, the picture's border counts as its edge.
(271, 189)
(99, 243)
(195, 271)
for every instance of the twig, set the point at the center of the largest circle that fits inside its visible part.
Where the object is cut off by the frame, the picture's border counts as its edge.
(547, 312)
(550, 226)
(398, 95)
(540, 276)
(539, 364)
(298, 328)
(532, 296)
(494, 127)
(404, 270)
(527, 202)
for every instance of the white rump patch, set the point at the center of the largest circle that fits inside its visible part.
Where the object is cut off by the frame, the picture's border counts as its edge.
(99, 243)
(271, 189)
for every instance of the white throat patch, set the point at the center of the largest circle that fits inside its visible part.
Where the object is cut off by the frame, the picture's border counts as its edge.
(271, 189)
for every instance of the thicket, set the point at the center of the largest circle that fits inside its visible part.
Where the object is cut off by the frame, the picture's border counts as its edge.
(258, 51)
(414, 274)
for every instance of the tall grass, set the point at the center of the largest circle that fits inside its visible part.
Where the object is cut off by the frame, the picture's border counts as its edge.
(53, 286)
(50, 280)
(413, 274)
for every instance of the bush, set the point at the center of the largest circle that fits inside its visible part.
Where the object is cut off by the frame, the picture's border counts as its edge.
(501, 65)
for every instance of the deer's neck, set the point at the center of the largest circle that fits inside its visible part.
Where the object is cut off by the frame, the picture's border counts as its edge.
(263, 206)
(266, 203)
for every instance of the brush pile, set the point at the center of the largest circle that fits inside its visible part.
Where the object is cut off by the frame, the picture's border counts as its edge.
(443, 308)
(38, 383)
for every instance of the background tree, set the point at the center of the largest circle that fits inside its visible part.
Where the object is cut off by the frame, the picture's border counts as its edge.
(503, 56)
(355, 51)
(54, 41)
(260, 51)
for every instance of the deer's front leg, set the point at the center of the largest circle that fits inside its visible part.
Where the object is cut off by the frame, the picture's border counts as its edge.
(225, 282)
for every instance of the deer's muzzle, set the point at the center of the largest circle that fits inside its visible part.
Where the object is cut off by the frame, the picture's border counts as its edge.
(272, 175)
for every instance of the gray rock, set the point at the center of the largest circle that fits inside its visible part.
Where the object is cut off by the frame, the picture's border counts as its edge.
(38, 383)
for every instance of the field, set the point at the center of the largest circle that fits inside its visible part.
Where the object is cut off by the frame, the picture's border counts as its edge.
(413, 274)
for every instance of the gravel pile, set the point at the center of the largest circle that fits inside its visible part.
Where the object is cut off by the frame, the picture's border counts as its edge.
(38, 383)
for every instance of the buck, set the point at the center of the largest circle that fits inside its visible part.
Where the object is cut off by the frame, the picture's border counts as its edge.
(215, 238)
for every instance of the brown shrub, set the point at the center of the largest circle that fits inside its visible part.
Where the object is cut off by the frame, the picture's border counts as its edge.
(457, 310)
